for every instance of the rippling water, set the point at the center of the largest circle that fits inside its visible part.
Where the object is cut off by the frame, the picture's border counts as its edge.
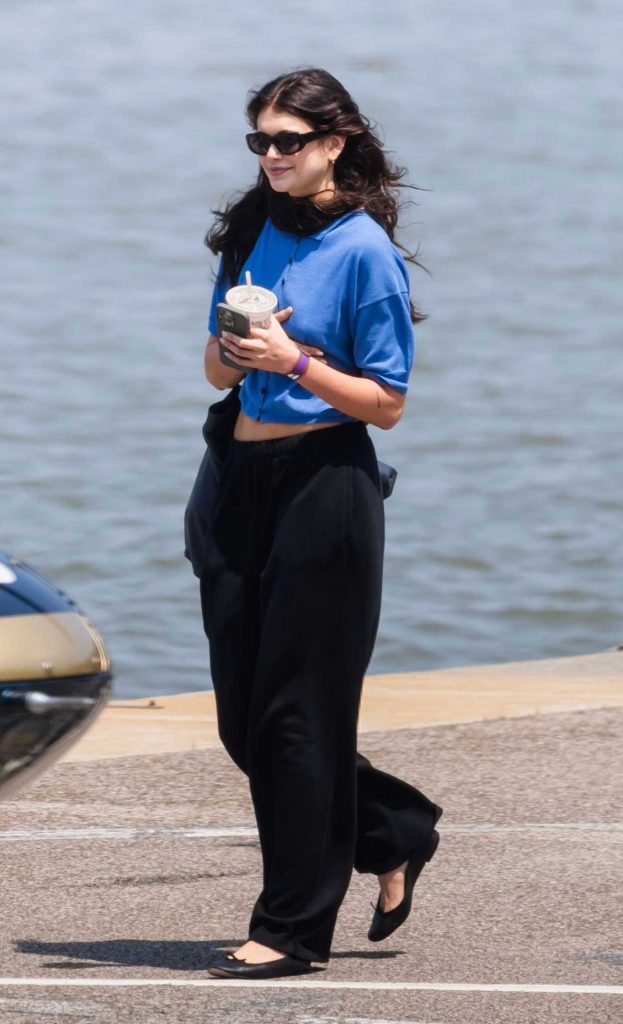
(121, 129)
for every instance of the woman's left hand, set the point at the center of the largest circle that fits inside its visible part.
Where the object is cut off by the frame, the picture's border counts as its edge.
(270, 349)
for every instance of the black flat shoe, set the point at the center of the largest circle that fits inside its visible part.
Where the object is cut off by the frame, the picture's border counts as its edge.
(384, 922)
(229, 966)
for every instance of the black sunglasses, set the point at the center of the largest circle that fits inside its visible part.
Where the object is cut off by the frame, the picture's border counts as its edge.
(285, 142)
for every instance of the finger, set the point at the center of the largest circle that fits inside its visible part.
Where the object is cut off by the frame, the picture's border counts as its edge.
(242, 345)
(284, 314)
(231, 344)
(311, 350)
(235, 358)
(258, 333)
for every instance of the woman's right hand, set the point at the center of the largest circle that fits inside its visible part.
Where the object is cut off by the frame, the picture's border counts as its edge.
(221, 376)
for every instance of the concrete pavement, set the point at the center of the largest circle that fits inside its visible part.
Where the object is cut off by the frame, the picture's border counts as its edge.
(122, 874)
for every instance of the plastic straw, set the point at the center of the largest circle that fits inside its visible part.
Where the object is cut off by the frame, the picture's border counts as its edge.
(249, 289)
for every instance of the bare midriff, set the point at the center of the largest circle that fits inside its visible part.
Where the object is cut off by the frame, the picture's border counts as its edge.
(248, 429)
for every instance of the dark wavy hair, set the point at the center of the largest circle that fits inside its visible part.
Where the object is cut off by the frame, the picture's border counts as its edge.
(364, 176)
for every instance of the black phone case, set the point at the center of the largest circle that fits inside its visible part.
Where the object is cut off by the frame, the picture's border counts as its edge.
(229, 319)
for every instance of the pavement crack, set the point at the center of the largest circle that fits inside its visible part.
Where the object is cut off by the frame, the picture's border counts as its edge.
(138, 880)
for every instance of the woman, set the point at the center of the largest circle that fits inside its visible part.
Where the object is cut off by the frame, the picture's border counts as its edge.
(291, 585)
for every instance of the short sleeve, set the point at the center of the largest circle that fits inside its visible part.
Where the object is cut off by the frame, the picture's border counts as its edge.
(384, 343)
(218, 295)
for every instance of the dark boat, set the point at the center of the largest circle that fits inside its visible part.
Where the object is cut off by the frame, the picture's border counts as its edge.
(55, 673)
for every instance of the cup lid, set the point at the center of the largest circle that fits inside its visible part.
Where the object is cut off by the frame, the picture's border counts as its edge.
(260, 300)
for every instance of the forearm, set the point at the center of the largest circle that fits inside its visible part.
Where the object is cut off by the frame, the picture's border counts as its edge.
(360, 397)
(217, 373)
(272, 350)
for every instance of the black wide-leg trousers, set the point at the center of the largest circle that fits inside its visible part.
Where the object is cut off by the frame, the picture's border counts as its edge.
(291, 597)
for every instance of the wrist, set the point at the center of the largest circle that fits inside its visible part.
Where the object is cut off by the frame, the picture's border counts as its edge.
(299, 367)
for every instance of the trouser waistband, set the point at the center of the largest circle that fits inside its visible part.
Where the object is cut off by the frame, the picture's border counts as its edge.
(312, 439)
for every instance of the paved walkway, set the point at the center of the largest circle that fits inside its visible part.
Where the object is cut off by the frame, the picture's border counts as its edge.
(123, 873)
(401, 700)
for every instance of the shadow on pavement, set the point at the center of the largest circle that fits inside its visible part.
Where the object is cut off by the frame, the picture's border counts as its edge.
(176, 956)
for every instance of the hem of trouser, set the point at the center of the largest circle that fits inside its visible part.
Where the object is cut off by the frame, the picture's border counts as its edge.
(399, 858)
(291, 946)
(382, 869)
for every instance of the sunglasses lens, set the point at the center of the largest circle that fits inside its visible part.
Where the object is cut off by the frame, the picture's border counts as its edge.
(287, 142)
(258, 143)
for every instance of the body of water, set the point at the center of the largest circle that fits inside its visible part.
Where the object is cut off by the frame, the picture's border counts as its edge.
(122, 128)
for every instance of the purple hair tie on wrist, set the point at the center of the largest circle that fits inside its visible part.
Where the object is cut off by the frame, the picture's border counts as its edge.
(301, 366)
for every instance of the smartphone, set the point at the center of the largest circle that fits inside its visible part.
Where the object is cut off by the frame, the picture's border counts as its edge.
(229, 319)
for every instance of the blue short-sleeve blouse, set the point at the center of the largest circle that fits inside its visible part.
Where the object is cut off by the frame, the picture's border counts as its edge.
(349, 288)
